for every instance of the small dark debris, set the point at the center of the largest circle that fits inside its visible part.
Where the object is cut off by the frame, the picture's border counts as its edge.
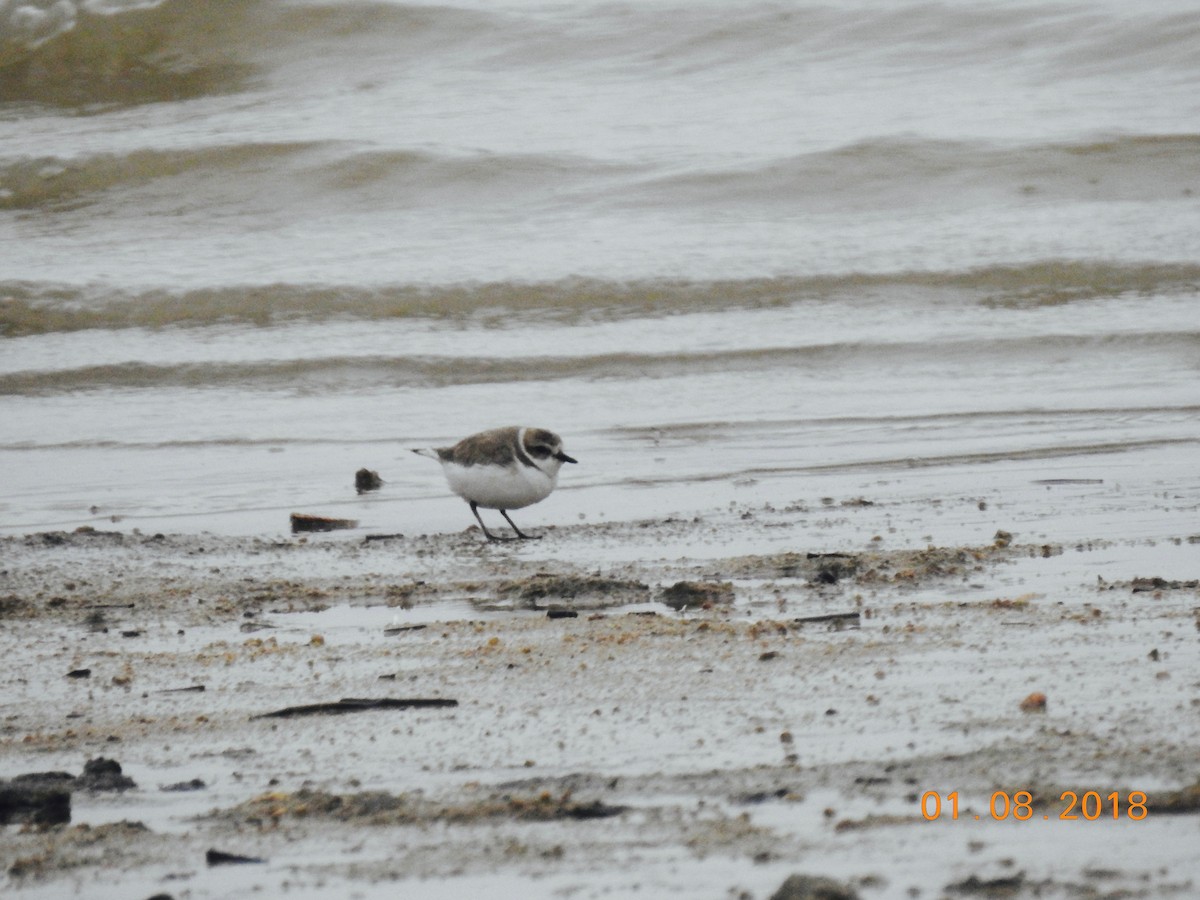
(550, 586)
(813, 887)
(839, 619)
(367, 480)
(190, 689)
(354, 704)
(307, 523)
(1140, 585)
(382, 537)
(832, 568)
(597, 809)
(828, 573)
(221, 858)
(399, 629)
(768, 655)
(683, 594)
(991, 887)
(1184, 800)
(80, 673)
(561, 614)
(131, 633)
(757, 797)
(179, 787)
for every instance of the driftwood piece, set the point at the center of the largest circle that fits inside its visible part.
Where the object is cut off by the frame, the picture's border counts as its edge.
(221, 858)
(355, 704)
(400, 629)
(305, 522)
(846, 618)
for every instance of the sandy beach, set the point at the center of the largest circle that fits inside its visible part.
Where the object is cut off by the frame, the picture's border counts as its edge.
(623, 724)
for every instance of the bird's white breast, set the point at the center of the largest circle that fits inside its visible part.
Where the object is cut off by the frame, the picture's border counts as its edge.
(499, 487)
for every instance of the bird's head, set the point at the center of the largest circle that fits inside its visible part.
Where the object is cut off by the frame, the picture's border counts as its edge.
(545, 448)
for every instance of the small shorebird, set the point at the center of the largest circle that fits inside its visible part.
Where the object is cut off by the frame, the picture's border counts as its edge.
(505, 468)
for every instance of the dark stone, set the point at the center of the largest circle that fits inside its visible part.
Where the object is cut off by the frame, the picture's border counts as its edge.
(830, 573)
(182, 786)
(41, 798)
(684, 594)
(813, 887)
(990, 887)
(102, 774)
(366, 480)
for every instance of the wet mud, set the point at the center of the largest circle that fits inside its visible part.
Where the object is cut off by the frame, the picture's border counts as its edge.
(746, 725)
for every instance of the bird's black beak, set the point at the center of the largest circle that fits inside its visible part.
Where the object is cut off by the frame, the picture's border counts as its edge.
(562, 457)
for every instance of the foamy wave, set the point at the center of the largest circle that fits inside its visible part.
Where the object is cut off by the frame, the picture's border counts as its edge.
(336, 374)
(31, 309)
(27, 25)
(903, 172)
(274, 174)
(49, 182)
(882, 173)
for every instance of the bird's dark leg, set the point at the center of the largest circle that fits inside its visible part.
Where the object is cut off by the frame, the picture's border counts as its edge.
(488, 534)
(522, 535)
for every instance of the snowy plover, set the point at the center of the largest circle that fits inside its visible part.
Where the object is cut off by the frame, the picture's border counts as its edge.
(505, 468)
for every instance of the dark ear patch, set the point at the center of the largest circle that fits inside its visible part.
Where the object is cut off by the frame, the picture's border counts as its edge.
(540, 451)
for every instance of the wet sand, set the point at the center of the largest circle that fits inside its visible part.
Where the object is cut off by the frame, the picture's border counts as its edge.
(705, 725)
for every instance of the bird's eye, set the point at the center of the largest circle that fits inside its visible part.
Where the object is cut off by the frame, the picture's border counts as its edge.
(541, 451)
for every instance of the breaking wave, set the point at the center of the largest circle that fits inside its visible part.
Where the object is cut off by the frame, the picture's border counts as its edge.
(82, 52)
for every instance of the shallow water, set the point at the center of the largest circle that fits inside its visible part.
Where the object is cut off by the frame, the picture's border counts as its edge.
(247, 248)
